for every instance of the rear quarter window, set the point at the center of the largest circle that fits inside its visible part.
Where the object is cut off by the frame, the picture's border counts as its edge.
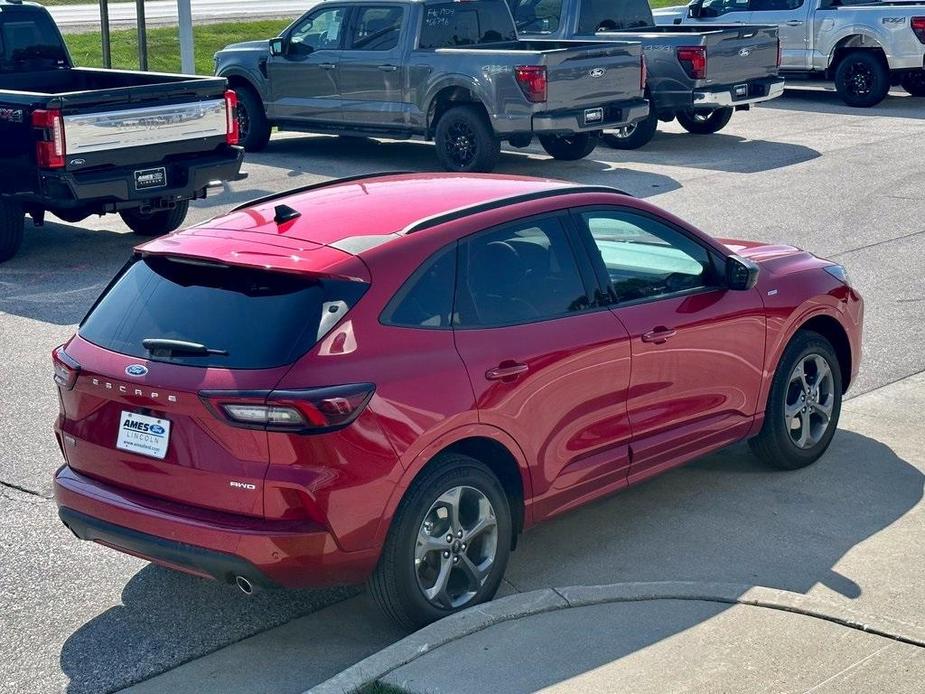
(262, 319)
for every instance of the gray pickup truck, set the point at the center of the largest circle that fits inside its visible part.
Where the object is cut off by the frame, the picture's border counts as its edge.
(452, 72)
(699, 75)
(865, 46)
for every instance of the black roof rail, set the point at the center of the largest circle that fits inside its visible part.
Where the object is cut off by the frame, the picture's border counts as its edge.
(458, 213)
(316, 186)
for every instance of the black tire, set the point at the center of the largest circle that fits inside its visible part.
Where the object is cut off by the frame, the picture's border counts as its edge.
(704, 122)
(775, 444)
(12, 226)
(635, 136)
(570, 147)
(914, 82)
(465, 140)
(252, 120)
(394, 584)
(862, 78)
(155, 223)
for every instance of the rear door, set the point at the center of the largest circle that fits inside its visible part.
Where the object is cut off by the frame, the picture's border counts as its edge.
(138, 417)
(545, 364)
(697, 347)
(372, 74)
(303, 82)
(793, 19)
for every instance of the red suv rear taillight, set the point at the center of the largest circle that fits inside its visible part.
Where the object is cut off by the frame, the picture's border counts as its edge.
(694, 61)
(50, 148)
(66, 368)
(233, 126)
(313, 411)
(918, 26)
(532, 80)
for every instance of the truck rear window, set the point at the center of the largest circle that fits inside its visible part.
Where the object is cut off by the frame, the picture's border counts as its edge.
(28, 38)
(461, 24)
(261, 319)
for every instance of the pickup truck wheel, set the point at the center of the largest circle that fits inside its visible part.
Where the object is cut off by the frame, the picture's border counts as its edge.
(570, 147)
(704, 122)
(803, 406)
(633, 136)
(12, 225)
(465, 140)
(155, 223)
(862, 78)
(448, 544)
(914, 82)
(252, 120)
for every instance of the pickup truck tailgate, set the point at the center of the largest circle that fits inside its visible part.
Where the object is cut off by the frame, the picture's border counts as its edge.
(739, 53)
(592, 75)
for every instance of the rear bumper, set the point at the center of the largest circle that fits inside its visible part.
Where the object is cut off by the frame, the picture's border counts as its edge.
(206, 543)
(755, 91)
(114, 188)
(615, 114)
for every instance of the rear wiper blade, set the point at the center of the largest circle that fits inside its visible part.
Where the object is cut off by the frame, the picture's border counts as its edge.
(161, 347)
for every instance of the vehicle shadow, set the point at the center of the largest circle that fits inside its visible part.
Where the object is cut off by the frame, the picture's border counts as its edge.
(717, 152)
(897, 104)
(725, 518)
(338, 157)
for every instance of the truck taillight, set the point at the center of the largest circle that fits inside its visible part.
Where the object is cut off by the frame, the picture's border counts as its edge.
(532, 80)
(312, 411)
(694, 61)
(918, 26)
(66, 368)
(643, 72)
(233, 127)
(50, 148)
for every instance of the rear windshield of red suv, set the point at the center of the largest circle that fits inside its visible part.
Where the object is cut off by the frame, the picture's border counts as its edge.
(261, 319)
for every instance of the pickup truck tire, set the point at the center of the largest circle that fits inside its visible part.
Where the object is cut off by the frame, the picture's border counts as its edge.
(633, 136)
(12, 225)
(252, 120)
(465, 140)
(155, 223)
(914, 82)
(570, 147)
(704, 122)
(862, 78)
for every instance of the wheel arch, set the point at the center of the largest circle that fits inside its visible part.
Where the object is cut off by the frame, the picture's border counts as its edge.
(487, 444)
(240, 78)
(448, 95)
(855, 40)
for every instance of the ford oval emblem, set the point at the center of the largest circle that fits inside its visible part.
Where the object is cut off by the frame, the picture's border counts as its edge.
(597, 72)
(78, 162)
(157, 429)
(136, 370)
(745, 52)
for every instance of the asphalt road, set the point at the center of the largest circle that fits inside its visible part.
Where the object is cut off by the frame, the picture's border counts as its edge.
(805, 169)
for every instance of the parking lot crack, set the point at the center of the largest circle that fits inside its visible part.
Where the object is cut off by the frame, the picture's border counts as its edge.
(22, 490)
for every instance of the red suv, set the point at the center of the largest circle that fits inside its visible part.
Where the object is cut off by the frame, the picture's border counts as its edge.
(391, 377)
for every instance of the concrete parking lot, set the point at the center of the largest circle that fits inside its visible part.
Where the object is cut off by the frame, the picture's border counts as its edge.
(805, 169)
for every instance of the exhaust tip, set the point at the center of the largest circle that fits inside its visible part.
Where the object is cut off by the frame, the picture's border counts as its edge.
(244, 585)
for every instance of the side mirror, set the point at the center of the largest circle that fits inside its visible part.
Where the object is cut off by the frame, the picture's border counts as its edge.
(277, 46)
(695, 9)
(741, 274)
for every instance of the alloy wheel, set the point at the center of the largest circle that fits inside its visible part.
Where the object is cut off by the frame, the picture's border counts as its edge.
(810, 400)
(244, 122)
(461, 144)
(625, 131)
(859, 79)
(456, 547)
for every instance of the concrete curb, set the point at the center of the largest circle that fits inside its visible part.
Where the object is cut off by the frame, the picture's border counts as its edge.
(534, 602)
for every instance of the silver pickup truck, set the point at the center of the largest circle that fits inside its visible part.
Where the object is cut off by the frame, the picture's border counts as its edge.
(699, 75)
(864, 46)
(453, 72)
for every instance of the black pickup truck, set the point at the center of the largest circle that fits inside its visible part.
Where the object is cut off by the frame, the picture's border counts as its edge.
(76, 142)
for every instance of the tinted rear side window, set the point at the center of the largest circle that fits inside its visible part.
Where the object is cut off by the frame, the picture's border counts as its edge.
(463, 24)
(607, 15)
(262, 319)
(426, 299)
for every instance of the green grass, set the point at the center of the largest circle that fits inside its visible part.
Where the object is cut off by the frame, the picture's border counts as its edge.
(164, 44)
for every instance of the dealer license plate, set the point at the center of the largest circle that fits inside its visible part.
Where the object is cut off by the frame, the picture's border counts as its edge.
(144, 435)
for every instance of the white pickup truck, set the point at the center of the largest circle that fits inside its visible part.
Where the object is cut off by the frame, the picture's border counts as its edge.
(865, 46)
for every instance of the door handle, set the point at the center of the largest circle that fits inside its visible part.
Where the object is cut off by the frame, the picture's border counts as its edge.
(659, 335)
(327, 66)
(506, 371)
(795, 23)
(388, 68)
